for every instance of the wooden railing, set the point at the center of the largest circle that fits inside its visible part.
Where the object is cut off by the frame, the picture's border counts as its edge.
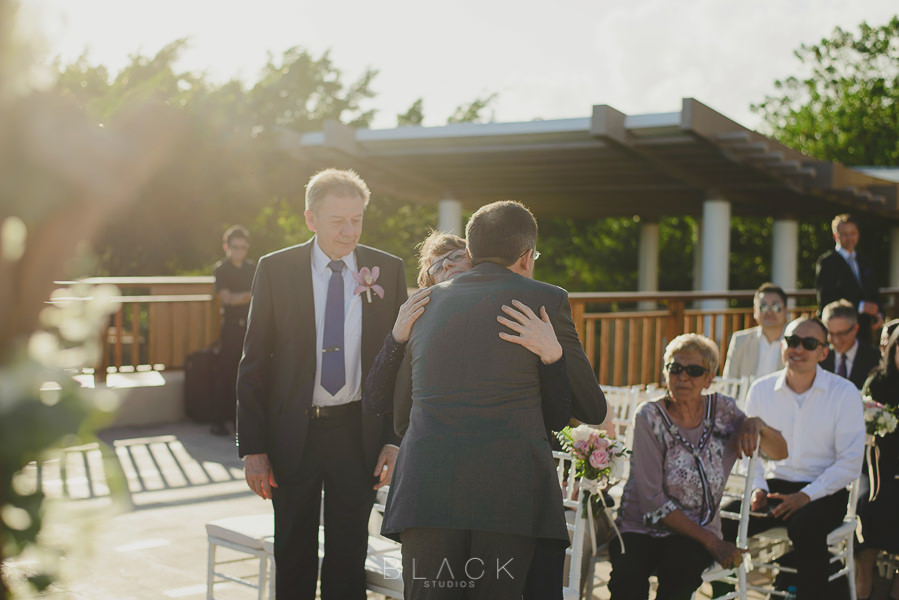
(625, 345)
(163, 319)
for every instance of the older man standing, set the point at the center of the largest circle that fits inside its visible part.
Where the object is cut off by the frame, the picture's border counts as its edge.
(850, 358)
(821, 417)
(311, 337)
(756, 351)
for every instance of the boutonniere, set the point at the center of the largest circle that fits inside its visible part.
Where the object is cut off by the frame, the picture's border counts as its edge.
(365, 280)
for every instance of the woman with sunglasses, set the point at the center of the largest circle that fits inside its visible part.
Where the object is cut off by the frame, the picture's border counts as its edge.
(442, 256)
(685, 445)
(879, 517)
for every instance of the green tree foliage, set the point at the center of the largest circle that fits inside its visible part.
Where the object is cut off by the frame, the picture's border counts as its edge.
(844, 108)
(413, 116)
(473, 112)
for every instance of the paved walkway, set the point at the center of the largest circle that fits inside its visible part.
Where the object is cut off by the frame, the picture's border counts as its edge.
(147, 540)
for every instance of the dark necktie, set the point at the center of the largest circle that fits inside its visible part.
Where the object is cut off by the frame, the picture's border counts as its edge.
(841, 370)
(333, 369)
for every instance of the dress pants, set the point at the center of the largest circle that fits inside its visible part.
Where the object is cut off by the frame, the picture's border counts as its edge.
(807, 528)
(332, 459)
(677, 560)
(230, 349)
(460, 564)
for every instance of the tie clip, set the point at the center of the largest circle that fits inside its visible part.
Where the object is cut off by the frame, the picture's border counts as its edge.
(334, 349)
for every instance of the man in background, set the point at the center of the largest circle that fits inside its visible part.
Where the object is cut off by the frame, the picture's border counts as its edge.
(850, 358)
(233, 279)
(841, 274)
(756, 351)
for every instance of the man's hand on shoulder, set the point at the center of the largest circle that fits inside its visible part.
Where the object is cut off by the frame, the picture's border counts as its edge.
(384, 467)
(259, 475)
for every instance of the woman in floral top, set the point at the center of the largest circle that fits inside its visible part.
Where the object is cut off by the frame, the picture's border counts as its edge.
(685, 445)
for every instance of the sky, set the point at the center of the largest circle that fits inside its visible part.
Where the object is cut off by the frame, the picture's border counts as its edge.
(543, 60)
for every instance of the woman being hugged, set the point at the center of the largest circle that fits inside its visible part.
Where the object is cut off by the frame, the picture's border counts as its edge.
(685, 445)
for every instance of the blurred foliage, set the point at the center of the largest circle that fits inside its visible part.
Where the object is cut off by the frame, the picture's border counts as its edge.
(844, 107)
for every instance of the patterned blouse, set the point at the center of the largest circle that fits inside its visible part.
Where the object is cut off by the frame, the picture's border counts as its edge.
(675, 468)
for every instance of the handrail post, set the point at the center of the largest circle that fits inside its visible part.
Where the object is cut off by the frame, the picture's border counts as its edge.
(578, 310)
(675, 321)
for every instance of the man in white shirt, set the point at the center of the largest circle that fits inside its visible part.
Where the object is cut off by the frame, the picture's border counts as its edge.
(755, 351)
(850, 357)
(821, 417)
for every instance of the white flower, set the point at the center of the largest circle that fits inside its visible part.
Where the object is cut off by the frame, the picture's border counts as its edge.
(581, 433)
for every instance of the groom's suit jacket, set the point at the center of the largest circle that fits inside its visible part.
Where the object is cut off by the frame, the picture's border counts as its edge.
(476, 454)
(277, 371)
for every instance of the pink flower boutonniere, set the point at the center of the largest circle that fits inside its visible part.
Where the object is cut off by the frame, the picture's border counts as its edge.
(366, 282)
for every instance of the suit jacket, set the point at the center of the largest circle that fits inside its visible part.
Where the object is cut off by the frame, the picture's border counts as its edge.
(277, 372)
(866, 360)
(743, 354)
(834, 280)
(476, 455)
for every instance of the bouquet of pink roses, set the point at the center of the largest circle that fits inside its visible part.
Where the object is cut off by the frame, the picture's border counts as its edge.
(599, 461)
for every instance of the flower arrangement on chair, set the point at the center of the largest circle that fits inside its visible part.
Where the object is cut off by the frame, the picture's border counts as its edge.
(599, 463)
(879, 421)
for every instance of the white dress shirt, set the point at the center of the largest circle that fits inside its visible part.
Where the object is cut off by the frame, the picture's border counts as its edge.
(352, 328)
(825, 432)
(769, 354)
(850, 359)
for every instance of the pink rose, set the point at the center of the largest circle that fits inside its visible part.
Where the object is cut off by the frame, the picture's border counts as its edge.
(581, 449)
(599, 459)
(600, 443)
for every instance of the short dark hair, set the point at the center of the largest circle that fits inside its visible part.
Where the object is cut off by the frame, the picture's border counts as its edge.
(840, 309)
(501, 232)
(843, 218)
(236, 232)
(770, 288)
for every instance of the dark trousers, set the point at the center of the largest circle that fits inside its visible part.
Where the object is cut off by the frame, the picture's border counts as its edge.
(677, 561)
(458, 564)
(332, 460)
(807, 528)
(230, 349)
(546, 576)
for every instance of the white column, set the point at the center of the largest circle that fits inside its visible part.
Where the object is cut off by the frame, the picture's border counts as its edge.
(697, 255)
(715, 249)
(449, 216)
(648, 273)
(784, 253)
(894, 256)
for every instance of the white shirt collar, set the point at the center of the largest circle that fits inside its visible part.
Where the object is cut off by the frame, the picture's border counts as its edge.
(320, 260)
(844, 253)
(819, 383)
(850, 354)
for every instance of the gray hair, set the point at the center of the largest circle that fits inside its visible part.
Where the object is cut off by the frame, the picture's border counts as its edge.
(690, 342)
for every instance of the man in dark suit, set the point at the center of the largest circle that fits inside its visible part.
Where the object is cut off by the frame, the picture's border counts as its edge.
(313, 331)
(841, 274)
(850, 357)
(475, 484)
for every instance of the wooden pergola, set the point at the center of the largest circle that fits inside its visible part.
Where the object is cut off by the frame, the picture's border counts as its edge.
(692, 162)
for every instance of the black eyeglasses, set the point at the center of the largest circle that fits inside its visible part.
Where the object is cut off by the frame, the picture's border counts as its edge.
(675, 368)
(809, 343)
(451, 258)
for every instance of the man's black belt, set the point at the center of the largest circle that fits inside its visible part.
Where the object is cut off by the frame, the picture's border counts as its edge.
(328, 412)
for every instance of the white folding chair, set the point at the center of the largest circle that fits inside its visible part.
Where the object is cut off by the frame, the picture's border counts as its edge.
(621, 403)
(772, 544)
(732, 387)
(736, 576)
(384, 562)
(245, 535)
(577, 525)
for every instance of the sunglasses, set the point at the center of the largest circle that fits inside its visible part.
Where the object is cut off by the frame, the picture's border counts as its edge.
(453, 258)
(692, 370)
(809, 343)
(776, 308)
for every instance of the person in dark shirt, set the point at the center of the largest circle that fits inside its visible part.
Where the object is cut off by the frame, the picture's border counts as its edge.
(233, 280)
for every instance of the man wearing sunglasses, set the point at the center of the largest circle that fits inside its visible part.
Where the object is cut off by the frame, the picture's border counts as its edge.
(820, 415)
(756, 351)
(849, 357)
